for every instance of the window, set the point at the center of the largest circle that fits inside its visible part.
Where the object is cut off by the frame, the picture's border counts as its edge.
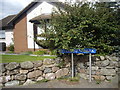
(2, 34)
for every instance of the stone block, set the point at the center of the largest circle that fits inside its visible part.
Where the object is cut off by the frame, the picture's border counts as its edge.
(26, 65)
(12, 65)
(34, 74)
(50, 76)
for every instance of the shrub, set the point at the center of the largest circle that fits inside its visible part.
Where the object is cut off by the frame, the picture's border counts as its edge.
(61, 64)
(40, 52)
(53, 52)
(96, 27)
(11, 47)
(9, 52)
(27, 53)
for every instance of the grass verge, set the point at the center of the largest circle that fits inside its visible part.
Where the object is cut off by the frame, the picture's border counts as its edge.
(22, 58)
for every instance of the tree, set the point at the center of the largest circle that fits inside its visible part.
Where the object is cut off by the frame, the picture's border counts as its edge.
(83, 26)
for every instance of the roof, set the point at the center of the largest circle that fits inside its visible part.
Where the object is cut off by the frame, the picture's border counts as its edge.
(4, 22)
(59, 4)
(40, 17)
(43, 16)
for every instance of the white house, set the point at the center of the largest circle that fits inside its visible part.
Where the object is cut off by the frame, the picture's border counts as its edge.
(6, 31)
(25, 25)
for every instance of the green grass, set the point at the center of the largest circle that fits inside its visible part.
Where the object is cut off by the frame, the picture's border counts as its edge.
(74, 79)
(44, 80)
(22, 58)
(98, 81)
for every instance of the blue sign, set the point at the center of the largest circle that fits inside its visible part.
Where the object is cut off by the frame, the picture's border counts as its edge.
(84, 51)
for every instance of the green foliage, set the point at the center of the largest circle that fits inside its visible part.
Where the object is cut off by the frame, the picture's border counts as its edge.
(109, 80)
(100, 54)
(27, 53)
(23, 58)
(62, 78)
(11, 47)
(44, 80)
(83, 26)
(10, 52)
(74, 79)
(61, 64)
(98, 81)
(40, 52)
(53, 52)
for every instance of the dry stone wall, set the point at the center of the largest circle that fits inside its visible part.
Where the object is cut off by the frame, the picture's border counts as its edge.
(24, 73)
(103, 68)
(29, 72)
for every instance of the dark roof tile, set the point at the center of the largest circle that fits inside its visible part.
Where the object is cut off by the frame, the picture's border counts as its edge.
(53, 2)
(4, 22)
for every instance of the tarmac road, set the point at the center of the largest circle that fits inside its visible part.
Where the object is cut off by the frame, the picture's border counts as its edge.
(62, 84)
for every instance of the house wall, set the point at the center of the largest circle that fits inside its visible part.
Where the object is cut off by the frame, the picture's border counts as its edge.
(2, 36)
(40, 31)
(38, 9)
(20, 35)
(9, 37)
(2, 40)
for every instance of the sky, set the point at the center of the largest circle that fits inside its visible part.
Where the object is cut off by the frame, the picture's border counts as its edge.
(10, 7)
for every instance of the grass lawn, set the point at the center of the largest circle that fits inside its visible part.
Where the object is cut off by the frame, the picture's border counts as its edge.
(22, 58)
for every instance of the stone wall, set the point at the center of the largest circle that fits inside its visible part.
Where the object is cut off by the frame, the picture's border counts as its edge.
(103, 68)
(29, 72)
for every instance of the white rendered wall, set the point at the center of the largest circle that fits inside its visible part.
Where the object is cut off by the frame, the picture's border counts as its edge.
(43, 8)
(40, 30)
(2, 40)
(9, 37)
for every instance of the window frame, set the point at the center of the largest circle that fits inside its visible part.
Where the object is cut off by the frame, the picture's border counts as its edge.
(2, 32)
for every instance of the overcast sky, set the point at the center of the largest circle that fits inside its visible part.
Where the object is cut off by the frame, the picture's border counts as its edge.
(10, 7)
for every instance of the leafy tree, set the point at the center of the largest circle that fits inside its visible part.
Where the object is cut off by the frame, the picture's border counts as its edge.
(83, 26)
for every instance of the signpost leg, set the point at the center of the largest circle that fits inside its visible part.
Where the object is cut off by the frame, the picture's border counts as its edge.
(90, 67)
(72, 65)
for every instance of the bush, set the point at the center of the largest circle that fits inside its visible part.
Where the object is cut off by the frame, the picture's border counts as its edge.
(27, 53)
(40, 52)
(96, 27)
(53, 52)
(10, 52)
(11, 47)
(61, 64)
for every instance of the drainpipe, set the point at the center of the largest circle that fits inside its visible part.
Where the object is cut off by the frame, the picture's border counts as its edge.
(34, 28)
